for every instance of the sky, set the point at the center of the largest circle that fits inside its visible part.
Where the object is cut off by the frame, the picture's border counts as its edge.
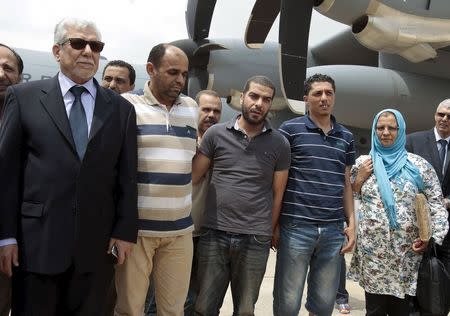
(131, 27)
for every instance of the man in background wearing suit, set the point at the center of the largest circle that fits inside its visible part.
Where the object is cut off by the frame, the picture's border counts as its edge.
(433, 146)
(119, 76)
(68, 182)
(11, 67)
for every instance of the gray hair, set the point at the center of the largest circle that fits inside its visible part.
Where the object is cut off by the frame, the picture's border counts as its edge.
(63, 26)
(206, 92)
(444, 104)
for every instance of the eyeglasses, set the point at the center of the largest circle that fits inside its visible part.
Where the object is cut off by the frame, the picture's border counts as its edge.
(391, 129)
(79, 44)
(442, 115)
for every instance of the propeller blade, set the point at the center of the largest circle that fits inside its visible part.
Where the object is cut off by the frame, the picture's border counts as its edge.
(295, 20)
(197, 81)
(198, 18)
(198, 55)
(263, 15)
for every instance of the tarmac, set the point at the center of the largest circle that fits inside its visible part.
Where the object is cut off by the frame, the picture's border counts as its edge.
(264, 303)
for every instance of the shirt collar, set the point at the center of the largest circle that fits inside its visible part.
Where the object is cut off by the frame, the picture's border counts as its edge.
(334, 127)
(66, 83)
(233, 124)
(151, 98)
(438, 137)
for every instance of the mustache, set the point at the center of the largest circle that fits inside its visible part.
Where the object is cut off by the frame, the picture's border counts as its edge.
(210, 120)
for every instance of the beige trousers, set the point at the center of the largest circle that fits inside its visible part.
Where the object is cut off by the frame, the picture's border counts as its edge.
(170, 260)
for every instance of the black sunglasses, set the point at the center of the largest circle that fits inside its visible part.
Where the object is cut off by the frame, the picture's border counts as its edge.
(442, 115)
(79, 43)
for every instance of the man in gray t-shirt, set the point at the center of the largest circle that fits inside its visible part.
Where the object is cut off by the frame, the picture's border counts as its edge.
(250, 163)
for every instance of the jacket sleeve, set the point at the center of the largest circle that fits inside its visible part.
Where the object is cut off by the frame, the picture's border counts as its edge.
(126, 223)
(433, 193)
(10, 166)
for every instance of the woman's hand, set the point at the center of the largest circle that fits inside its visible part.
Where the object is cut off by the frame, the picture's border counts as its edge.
(419, 246)
(447, 203)
(364, 172)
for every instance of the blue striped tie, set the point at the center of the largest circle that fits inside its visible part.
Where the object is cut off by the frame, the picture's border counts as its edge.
(78, 122)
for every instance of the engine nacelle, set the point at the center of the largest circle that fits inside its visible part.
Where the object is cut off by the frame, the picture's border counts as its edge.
(413, 37)
(344, 11)
(362, 91)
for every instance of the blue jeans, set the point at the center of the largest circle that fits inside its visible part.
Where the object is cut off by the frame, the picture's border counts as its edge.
(228, 257)
(305, 245)
(342, 294)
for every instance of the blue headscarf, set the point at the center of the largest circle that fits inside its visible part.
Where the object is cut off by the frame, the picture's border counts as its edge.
(392, 163)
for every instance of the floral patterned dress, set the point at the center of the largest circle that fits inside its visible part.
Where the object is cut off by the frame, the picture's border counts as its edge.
(383, 261)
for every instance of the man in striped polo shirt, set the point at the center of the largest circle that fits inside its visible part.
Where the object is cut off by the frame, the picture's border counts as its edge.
(317, 201)
(166, 132)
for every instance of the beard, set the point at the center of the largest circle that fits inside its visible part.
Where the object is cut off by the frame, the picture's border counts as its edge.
(246, 114)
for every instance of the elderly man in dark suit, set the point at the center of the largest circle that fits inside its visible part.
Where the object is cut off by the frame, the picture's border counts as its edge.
(433, 145)
(68, 182)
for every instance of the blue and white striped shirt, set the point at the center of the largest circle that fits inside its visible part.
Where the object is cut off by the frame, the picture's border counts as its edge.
(166, 145)
(316, 181)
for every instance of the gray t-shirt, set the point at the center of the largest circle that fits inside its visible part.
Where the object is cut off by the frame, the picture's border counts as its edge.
(240, 195)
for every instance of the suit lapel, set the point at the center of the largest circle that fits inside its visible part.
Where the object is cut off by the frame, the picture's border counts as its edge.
(53, 103)
(102, 110)
(431, 143)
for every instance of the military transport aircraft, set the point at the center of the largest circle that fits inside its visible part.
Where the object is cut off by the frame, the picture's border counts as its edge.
(395, 54)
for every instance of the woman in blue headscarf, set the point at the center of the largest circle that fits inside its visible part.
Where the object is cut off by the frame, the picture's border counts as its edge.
(388, 249)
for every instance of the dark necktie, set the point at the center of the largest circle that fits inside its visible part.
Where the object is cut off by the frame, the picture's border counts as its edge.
(78, 122)
(442, 151)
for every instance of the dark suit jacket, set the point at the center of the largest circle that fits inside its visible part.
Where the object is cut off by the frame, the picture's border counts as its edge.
(60, 209)
(424, 144)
